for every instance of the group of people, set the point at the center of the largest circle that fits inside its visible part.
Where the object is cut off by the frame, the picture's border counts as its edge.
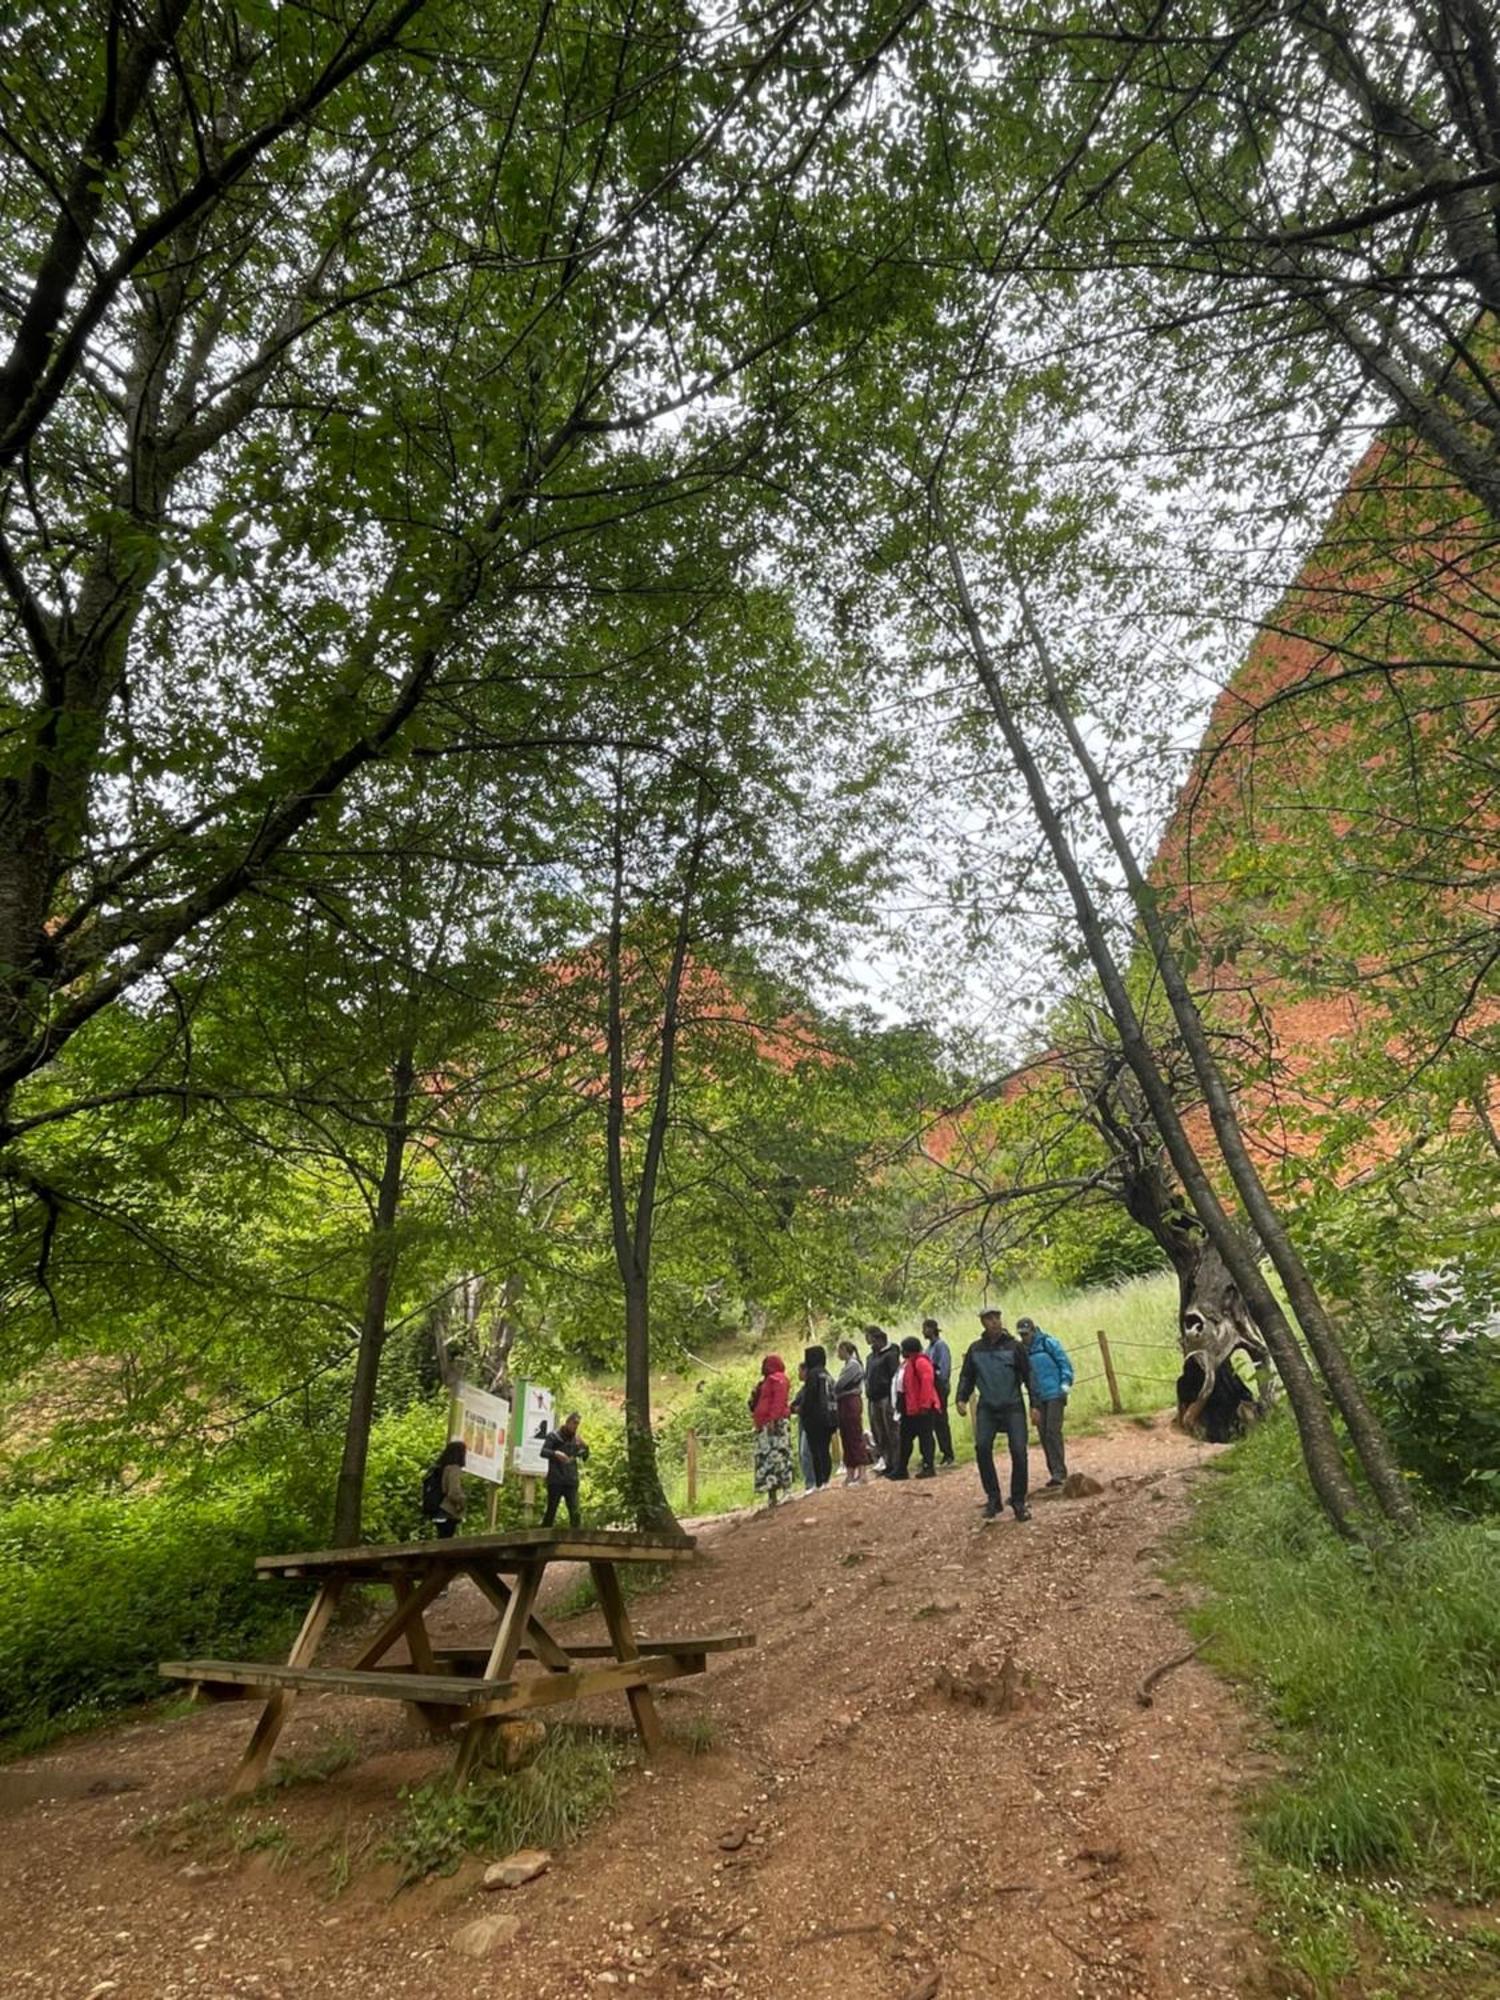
(443, 1497)
(893, 1402)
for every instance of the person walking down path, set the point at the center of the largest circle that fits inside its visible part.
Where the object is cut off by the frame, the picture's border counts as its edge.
(919, 1408)
(562, 1450)
(941, 1356)
(443, 1490)
(1051, 1379)
(817, 1412)
(995, 1373)
(848, 1390)
(880, 1370)
(770, 1408)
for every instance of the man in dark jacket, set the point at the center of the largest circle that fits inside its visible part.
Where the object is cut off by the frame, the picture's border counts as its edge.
(562, 1450)
(880, 1370)
(941, 1356)
(995, 1372)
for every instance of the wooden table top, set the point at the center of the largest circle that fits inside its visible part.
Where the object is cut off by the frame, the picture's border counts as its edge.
(513, 1550)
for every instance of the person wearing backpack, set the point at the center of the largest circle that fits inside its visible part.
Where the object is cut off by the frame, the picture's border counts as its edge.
(817, 1409)
(443, 1489)
(1051, 1379)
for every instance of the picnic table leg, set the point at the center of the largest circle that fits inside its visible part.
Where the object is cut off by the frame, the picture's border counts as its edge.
(407, 1622)
(499, 1667)
(545, 1643)
(622, 1634)
(252, 1766)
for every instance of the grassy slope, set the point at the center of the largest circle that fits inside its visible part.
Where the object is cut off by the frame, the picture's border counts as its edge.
(1380, 1683)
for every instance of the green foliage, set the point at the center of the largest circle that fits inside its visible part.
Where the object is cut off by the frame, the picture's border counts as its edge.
(546, 1804)
(1380, 1675)
(96, 1588)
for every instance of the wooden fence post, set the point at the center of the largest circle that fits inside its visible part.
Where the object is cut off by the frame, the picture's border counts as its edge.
(1109, 1375)
(692, 1470)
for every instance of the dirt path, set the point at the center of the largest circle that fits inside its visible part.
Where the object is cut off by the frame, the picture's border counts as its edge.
(893, 1836)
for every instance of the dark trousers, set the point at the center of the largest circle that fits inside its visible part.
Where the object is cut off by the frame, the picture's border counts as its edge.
(565, 1494)
(883, 1429)
(446, 1526)
(942, 1429)
(918, 1431)
(820, 1451)
(1049, 1430)
(988, 1425)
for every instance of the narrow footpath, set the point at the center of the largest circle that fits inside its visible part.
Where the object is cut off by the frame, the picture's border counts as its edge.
(934, 1778)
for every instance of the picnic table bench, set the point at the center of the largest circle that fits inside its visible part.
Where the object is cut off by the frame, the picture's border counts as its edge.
(475, 1687)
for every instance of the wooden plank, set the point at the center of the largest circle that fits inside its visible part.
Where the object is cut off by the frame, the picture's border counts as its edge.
(471, 1658)
(617, 1619)
(627, 1676)
(500, 1664)
(411, 1602)
(400, 1685)
(514, 1547)
(541, 1643)
(272, 1719)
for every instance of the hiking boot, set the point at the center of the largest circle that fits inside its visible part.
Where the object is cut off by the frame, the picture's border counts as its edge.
(1054, 1482)
(992, 1510)
(927, 1472)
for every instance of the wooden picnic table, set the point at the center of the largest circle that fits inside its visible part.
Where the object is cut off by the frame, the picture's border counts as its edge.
(476, 1687)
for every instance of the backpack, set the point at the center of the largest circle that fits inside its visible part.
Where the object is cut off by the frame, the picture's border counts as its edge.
(828, 1401)
(432, 1490)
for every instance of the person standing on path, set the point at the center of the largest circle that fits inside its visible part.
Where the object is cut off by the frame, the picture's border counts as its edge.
(848, 1390)
(880, 1369)
(941, 1356)
(817, 1411)
(1051, 1379)
(996, 1373)
(443, 1490)
(562, 1450)
(919, 1408)
(770, 1407)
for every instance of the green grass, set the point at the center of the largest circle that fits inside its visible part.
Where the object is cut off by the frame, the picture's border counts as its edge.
(562, 1791)
(1380, 1678)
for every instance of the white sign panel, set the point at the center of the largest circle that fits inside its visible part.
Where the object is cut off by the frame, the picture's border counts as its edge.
(534, 1418)
(485, 1428)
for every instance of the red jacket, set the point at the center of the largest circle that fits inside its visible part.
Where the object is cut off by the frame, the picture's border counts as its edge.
(919, 1387)
(772, 1398)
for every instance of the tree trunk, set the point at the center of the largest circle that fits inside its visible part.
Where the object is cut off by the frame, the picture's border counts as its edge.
(1320, 1448)
(349, 1494)
(1365, 1429)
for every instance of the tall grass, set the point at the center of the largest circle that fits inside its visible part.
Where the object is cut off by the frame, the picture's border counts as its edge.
(1381, 1678)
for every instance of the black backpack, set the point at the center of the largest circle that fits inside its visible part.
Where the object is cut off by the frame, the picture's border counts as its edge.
(432, 1490)
(829, 1400)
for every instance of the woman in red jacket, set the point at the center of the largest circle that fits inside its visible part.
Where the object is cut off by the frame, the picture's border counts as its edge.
(769, 1408)
(920, 1404)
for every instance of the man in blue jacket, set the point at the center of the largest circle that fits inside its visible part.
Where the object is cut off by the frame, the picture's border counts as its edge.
(1051, 1379)
(941, 1356)
(995, 1371)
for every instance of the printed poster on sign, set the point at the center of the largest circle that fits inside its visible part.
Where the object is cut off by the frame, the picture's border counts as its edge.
(485, 1429)
(534, 1418)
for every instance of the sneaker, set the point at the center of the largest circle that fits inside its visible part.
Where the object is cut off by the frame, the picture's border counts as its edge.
(948, 1461)
(1054, 1482)
(992, 1510)
(927, 1472)
(1022, 1513)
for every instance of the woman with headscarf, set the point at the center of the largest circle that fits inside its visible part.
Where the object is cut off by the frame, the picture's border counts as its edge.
(848, 1391)
(769, 1412)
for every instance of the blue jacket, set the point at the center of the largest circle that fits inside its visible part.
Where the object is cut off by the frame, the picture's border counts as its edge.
(941, 1357)
(1051, 1370)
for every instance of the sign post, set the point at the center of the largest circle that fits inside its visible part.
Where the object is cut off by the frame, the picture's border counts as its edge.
(483, 1422)
(534, 1417)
